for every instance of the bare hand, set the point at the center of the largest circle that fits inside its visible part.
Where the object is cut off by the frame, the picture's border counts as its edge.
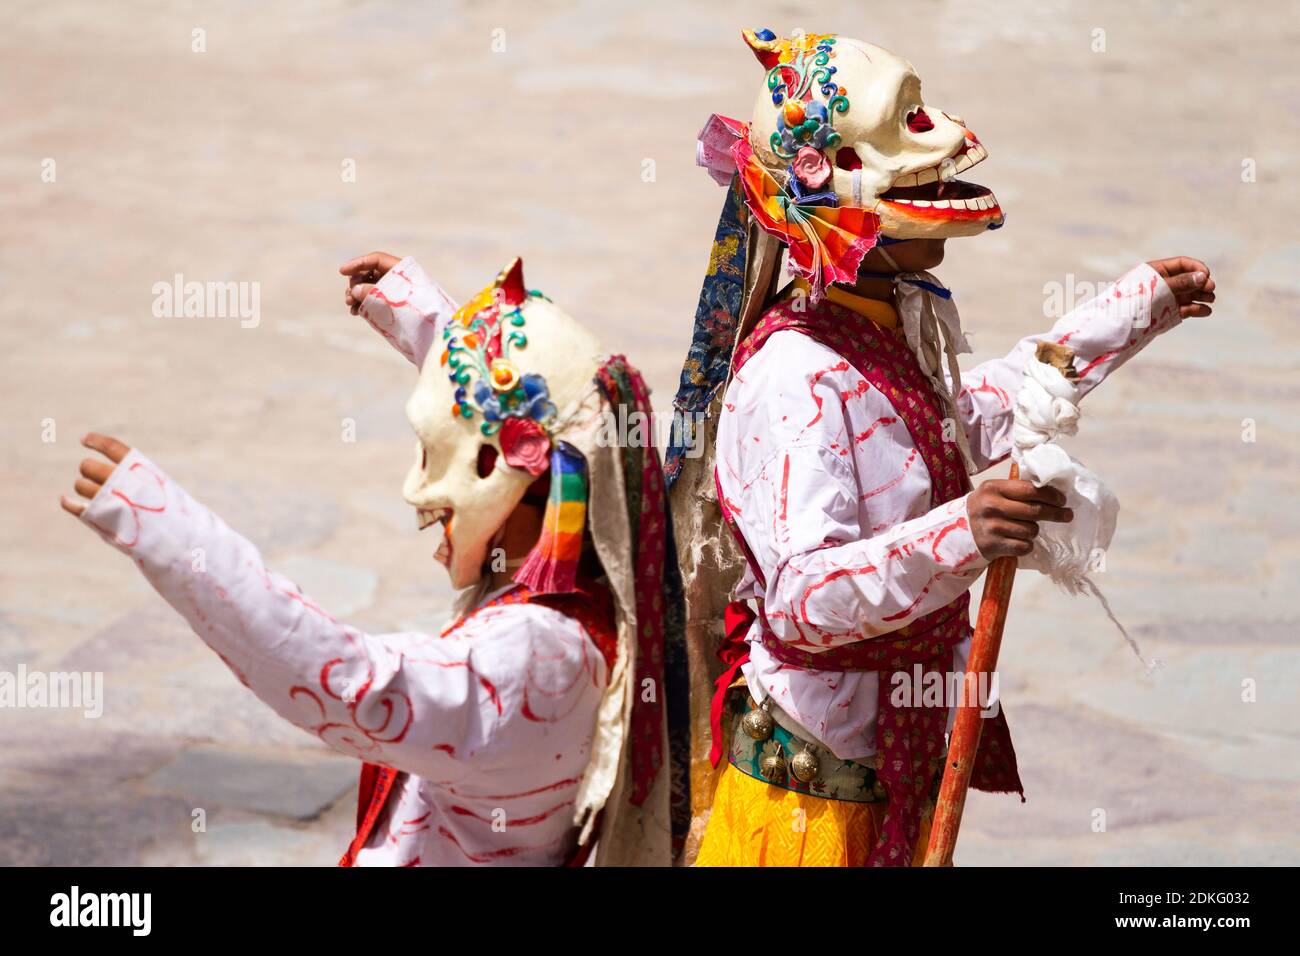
(1004, 515)
(93, 471)
(363, 272)
(1191, 283)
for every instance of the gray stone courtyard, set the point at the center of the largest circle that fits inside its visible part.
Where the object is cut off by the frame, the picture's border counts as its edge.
(565, 133)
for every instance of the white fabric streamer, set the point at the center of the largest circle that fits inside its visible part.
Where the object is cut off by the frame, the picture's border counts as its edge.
(932, 328)
(912, 300)
(1047, 408)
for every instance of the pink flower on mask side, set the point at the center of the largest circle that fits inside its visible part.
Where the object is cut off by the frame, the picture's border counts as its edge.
(524, 445)
(811, 167)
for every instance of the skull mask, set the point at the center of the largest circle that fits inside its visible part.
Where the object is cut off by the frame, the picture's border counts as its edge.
(488, 413)
(842, 122)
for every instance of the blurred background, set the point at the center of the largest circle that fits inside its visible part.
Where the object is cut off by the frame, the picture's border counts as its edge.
(270, 142)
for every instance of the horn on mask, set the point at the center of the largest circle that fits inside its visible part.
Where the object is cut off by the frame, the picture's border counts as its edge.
(764, 43)
(511, 282)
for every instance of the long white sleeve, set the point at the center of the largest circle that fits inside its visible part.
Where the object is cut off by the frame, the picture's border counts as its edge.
(1105, 332)
(510, 687)
(408, 309)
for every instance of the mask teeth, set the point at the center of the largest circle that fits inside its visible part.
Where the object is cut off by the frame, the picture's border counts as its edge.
(968, 157)
(428, 516)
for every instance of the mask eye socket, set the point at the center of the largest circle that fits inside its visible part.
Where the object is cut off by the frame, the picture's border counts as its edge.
(487, 460)
(918, 121)
(846, 158)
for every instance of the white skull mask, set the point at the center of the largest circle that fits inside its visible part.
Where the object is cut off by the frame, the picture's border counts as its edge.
(486, 411)
(842, 116)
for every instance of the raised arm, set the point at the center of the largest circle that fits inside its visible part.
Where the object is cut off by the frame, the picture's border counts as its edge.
(415, 702)
(399, 300)
(1104, 332)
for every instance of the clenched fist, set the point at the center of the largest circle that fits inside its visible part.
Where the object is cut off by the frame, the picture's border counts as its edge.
(1005, 513)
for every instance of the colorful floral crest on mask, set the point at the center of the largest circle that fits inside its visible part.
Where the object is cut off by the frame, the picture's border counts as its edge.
(478, 357)
(794, 67)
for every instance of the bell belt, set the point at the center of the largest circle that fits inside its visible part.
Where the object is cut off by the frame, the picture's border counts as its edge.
(837, 779)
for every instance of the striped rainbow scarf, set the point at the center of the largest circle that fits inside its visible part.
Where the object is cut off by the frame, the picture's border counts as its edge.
(552, 566)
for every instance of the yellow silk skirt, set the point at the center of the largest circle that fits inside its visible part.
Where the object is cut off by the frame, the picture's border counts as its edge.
(755, 824)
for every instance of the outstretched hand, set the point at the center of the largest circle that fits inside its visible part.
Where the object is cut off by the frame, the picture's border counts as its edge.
(1191, 283)
(363, 272)
(94, 472)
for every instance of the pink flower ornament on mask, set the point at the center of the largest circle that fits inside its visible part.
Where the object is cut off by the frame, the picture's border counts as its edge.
(524, 445)
(811, 168)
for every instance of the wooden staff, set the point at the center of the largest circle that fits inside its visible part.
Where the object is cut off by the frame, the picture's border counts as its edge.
(984, 649)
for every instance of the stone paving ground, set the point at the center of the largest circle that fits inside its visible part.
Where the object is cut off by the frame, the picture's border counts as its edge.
(573, 145)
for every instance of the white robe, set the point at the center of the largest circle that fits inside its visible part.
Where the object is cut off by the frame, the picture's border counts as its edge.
(489, 723)
(833, 499)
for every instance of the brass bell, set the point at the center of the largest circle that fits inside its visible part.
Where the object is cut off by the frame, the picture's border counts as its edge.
(758, 723)
(805, 766)
(772, 766)
(878, 791)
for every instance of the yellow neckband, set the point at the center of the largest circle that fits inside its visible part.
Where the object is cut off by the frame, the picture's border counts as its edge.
(882, 313)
